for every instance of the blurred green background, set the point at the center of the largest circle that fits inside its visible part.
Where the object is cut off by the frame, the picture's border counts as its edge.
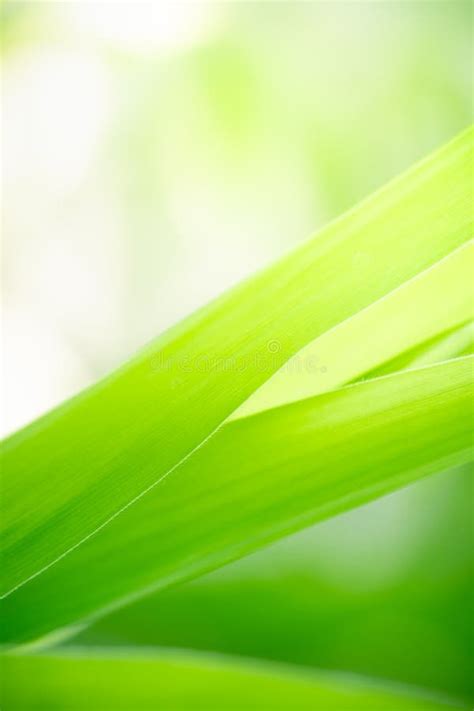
(153, 155)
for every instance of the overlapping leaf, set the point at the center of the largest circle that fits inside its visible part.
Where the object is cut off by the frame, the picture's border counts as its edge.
(259, 478)
(70, 473)
(427, 319)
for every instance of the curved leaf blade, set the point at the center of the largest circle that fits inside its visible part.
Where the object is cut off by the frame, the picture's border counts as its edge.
(258, 479)
(74, 470)
(183, 682)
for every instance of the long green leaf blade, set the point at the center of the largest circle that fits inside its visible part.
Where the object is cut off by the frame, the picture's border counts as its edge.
(176, 681)
(258, 479)
(71, 472)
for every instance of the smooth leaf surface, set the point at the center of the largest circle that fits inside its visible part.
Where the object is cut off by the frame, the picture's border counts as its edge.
(452, 343)
(422, 310)
(71, 472)
(176, 681)
(258, 479)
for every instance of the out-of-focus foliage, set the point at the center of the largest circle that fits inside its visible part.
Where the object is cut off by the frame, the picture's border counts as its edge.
(384, 590)
(104, 680)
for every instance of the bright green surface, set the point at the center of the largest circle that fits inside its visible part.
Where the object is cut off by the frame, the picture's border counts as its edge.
(107, 681)
(409, 318)
(149, 166)
(408, 601)
(258, 479)
(450, 344)
(95, 454)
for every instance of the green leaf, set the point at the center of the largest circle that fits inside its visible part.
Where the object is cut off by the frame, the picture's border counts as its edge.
(452, 343)
(71, 472)
(413, 320)
(180, 681)
(257, 479)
